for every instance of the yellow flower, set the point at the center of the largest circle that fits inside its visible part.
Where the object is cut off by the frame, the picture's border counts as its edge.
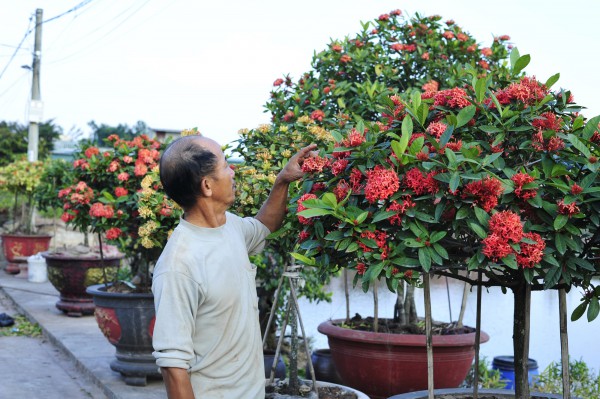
(286, 153)
(305, 120)
(147, 242)
(272, 176)
(264, 128)
(264, 155)
(147, 181)
(266, 165)
(151, 226)
(191, 132)
(320, 133)
(145, 212)
(283, 129)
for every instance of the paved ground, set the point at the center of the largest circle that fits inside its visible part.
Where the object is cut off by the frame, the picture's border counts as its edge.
(31, 367)
(71, 360)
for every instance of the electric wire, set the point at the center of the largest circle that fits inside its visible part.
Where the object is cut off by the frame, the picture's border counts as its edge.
(18, 47)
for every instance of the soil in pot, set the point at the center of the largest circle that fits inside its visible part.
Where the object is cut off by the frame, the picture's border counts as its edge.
(280, 390)
(389, 326)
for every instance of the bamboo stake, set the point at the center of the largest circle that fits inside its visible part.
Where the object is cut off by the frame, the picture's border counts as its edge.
(273, 307)
(347, 295)
(376, 308)
(279, 343)
(310, 364)
(564, 342)
(428, 327)
(477, 337)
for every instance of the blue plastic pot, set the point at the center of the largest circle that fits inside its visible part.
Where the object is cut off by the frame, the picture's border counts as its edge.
(506, 366)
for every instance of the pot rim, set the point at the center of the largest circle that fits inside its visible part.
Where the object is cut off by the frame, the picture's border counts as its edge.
(328, 328)
(100, 291)
(22, 235)
(504, 393)
(62, 256)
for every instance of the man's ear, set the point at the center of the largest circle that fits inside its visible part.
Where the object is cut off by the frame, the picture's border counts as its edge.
(206, 187)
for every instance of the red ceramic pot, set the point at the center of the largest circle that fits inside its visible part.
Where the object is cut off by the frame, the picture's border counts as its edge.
(18, 247)
(382, 364)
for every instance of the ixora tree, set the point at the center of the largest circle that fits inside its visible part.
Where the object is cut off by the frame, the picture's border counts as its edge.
(498, 175)
(390, 54)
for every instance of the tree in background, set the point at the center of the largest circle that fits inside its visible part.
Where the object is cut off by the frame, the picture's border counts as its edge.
(101, 132)
(14, 139)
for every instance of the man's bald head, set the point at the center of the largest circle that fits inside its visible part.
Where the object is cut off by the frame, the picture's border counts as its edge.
(184, 164)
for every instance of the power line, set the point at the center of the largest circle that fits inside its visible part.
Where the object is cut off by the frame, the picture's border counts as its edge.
(18, 47)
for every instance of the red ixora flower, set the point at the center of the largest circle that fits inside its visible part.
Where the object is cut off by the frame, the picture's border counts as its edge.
(317, 115)
(354, 139)
(452, 98)
(506, 225)
(113, 233)
(495, 247)
(567, 209)
(400, 208)
(531, 254)
(315, 164)
(419, 183)
(486, 192)
(278, 82)
(341, 190)
(120, 191)
(91, 151)
(301, 207)
(576, 189)
(382, 183)
(339, 166)
(520, 179)
(99, 210)
(361, 268)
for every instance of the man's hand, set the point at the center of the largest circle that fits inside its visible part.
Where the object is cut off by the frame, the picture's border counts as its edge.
(272, 212)
(292, 171)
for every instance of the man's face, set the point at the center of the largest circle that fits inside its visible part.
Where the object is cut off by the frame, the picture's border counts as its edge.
(222, 182)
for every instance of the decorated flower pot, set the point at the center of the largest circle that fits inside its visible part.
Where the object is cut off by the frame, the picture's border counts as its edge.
(325, 389)
(71, 274)
(382, 364)
(464, 393)
(18, 247)
(127, 321)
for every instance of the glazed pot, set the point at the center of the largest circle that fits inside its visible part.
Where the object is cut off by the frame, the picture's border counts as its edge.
(383, 364)
(18, 247)
(72, 274)
(127, 321)
(465, 393)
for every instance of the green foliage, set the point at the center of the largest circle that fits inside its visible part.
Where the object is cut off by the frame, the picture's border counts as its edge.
(21, 328)
(584, 382)
(488, 378)
(100, 133)
(14, 138)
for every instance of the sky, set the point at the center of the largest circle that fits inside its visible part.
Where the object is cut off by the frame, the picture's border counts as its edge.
(178, 64)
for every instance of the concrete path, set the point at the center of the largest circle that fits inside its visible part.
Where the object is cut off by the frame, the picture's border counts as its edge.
(71, 359)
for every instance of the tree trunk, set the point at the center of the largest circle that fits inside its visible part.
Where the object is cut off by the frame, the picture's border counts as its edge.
(522, 305)
(409, 305)
(399, 314)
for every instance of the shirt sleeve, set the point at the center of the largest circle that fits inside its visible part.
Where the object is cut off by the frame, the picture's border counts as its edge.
(255, 234)
(176, 299)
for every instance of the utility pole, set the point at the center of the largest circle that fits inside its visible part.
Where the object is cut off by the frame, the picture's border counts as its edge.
(36, 106)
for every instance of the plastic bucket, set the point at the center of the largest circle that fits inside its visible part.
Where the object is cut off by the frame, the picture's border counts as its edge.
(37, 269)
(506, 366)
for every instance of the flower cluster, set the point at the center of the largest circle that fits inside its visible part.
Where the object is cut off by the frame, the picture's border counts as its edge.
(101, 196)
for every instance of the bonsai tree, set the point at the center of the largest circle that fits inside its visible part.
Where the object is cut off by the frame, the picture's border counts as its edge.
(498, 174)
(21, 179)
(102, 196)
(348, 79)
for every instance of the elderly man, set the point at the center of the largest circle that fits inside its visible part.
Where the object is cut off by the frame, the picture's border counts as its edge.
(207, 339)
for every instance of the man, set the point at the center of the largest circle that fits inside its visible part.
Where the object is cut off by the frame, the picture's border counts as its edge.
(207, 337)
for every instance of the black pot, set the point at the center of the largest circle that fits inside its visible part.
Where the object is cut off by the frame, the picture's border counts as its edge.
(324, 368)
(127, 321)
(280, 369)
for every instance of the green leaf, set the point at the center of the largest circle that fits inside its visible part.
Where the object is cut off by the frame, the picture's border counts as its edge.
(482, 216)
(551, 80)
(373, 271)
(465, 115)
(407, 128)
(436, 236)
(330, 199)
(341, 103)
(378, 69)
(425, 259)
(579, 145)
(490, 129)
(561, 244)
(552, 277)
(412, 243)
(514, 56)
(560, 222)
(309, 213)
(441, 250)
(593, 309)
(478, 229)
(446, 136)
(455, 179)
(579, 311)
(521, 63)
(480, 88)
(383, 215)
(511, 261)
(307, 261)
(551, 259)
(335, 235)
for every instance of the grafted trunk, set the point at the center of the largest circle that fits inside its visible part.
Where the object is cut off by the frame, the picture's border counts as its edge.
(522, 306)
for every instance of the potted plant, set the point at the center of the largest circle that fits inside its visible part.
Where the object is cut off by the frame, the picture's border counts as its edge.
(103, 198)
(347, 80)
(20, 180)
(497, 174)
